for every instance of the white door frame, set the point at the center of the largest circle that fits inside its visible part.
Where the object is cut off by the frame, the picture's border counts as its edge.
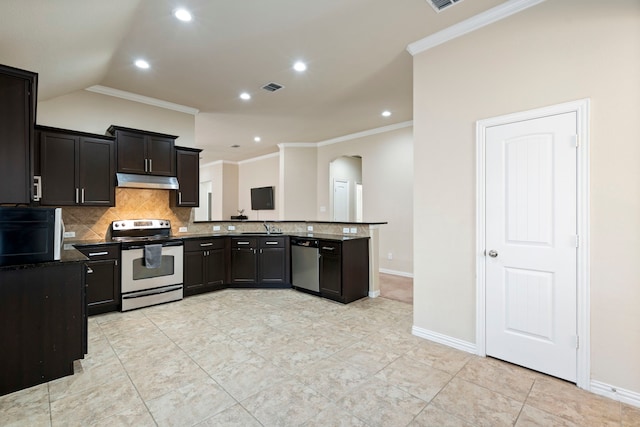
(581, 108)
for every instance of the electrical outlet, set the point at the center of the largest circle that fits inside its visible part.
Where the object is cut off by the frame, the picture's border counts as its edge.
(323, 208)
(309, 227)
(389, 255)
(345, 230)
(216, 228)
(354, 230)
(182, 229)
(231, 227)
(68, 234)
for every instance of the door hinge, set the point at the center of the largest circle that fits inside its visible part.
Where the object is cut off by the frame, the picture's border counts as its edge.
(577, 240)
(576, 141)
(577, 341)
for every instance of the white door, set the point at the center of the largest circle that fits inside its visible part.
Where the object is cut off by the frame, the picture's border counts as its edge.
(531, 242)
(340, 200)
(359, 214)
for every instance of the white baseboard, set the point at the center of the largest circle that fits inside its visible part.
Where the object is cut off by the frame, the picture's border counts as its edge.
(374, 294)
(395, 272)
(616, 393)
(444, 339)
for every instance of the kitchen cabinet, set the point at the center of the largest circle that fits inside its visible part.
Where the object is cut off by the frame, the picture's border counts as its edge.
(43, 324)
(18, 95)
(188, 173)
(144, 152)
(76, 168)
(273, 265)
(204, 265)
(103, 277)
(344, 269)
(262, 261)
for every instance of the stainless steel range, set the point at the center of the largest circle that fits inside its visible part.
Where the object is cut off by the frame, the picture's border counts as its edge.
(151, 262)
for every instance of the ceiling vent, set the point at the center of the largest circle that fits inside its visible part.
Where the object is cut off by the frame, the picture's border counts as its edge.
(440, 5)
(272, 87)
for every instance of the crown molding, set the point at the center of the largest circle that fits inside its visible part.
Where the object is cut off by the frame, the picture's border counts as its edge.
(256, 159)
(117, 93)
(365, 133)
(297, 145)
(219, 162)
(476, 22)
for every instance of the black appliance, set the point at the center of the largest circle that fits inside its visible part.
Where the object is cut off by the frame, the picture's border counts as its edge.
(30, 235)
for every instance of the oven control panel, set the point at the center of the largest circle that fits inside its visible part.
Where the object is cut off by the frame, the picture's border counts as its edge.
(140, 224)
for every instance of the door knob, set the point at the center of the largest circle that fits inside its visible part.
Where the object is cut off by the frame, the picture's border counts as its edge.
(493, 254)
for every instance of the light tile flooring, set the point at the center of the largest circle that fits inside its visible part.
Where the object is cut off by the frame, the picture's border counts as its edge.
(285, 358)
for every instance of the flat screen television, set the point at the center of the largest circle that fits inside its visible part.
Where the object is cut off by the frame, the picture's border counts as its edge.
(262, 199)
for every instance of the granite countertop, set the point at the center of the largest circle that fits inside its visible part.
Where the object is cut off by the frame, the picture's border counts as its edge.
(67, 255)
(337, 237)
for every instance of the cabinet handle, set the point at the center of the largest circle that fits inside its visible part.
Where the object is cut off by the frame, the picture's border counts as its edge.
(271, 243)
(326, 248)
(98, 253)
(89, 270)
(76, 194)
(205, 244)
(243, 243)
(179, 197)
(260, 250)
(146, 163)
(82, 197)
(150, 165)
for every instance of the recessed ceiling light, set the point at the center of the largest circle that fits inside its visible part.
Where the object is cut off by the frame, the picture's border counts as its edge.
(300, 66)
(257, 139)
(245, 96)
(182, 14)
(386, 113)
(141, 63)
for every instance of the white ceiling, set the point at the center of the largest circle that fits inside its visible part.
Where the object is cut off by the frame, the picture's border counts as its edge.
(355, 50)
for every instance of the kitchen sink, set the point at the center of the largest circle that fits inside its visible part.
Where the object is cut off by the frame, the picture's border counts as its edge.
(261, 233)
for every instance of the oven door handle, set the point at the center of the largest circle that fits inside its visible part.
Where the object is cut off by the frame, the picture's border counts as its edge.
(140, 294)
(164, 245)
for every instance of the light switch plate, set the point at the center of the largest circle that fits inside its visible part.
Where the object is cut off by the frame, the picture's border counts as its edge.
(231, 228)
(182, 229)
(309, 227)
(216, 228)
(323, 208)
(69, 234)
(345, 230)
(354, 230)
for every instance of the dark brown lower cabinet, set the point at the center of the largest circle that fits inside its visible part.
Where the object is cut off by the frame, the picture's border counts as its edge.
(260, 261)
(344, 269)
(43, 324)
(204, 265)
(103, 278)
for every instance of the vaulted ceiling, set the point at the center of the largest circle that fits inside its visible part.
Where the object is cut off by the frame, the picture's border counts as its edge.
(354, 50)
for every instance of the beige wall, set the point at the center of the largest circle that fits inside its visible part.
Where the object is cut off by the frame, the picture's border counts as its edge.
(259, 172)
(555, 52)
(92, 112)
(298, 174)
(387, 182)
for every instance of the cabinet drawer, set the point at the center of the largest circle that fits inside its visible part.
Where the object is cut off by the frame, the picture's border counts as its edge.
(272, 242)
(244, 242)
(195, 245)
(100, 252)
(330, 248)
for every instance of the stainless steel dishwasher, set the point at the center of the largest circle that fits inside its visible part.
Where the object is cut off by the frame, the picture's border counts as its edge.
(305, 265)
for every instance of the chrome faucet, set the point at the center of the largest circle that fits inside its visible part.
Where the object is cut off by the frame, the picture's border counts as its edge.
(267, 227)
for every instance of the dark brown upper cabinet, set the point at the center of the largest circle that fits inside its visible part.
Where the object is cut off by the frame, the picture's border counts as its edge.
(18, 94)
(76, 168)
(144, 152)
(188, 173)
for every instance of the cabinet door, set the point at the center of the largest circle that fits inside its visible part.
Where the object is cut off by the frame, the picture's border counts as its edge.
(103, 290)
(188, 170)
(272, 266)
(194, 272)
(59, 157)
(97, 172)
(161, 156)
(17, 95)
(131, 152)
(330, 276)
(215, 267)
(243, 265)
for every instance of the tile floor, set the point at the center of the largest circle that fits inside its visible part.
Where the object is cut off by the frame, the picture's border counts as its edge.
(285, 358)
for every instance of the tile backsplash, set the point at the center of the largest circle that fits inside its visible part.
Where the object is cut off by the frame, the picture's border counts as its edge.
(92, 223)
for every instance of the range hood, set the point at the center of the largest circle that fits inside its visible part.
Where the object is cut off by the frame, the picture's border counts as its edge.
(129, 180)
